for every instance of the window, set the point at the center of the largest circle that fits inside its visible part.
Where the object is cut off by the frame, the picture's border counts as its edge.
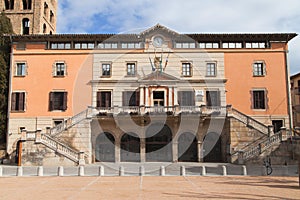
(186, 69)
(213, 98)
(258, 99)
(26, 4)
(211, 69)
(26, 26)
(55, 45)
(108, 45)
(106, 69)
(58, 101)
(9, 4)
(103, 99)
(51, 16)
(259, 69)
(185, 45)
(20, 69)
(208, 45)
(18, 101)
(254, 45)
(59, 69)
(131, 98)
(131, 69)
(130, 45)
(186, 98)
(45, 8)
(232, 45)
(84, 45)
(44, 28)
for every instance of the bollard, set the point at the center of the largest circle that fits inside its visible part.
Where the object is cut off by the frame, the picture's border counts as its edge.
(142, 171)
(244, 170)
(61, 171)
(81, 171)
(1, 171)
(101, 171)
(203, 171)
(121, 171)
(40, 171)
(182, 171)
(224, 170)
(162, 171)
(20, 171)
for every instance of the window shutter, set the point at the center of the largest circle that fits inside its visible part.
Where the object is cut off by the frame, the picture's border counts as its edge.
(66, 71)
(65, 101)
(98, 100)
(13, 101)
(54, 69)
(21, 101)
(51, 104)
(218, 98)
(266, 100)
(251, 99)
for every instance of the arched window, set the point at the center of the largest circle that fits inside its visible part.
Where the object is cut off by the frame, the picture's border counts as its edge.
(44, 28)
(51, 16)
(26, 4)
(25, 25)
(9, 4)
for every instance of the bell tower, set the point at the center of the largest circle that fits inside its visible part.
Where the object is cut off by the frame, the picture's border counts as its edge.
(31, 16)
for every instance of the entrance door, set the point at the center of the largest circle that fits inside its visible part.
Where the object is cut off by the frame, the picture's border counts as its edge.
(159, 98)
(277, 124)
(105, 148)
(212, 148)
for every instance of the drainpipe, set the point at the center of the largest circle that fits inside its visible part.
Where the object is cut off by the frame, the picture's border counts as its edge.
(288, 85)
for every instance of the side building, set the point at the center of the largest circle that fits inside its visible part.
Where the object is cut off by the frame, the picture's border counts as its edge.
(295, 91)
(153, 96)
(31, 17)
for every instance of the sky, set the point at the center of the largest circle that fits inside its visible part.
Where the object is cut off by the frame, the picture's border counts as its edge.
(184, 16)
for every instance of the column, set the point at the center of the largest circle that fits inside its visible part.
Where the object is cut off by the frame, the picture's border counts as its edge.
(175, 151)
(147, 96)
(142, 96)
(117, 151)
(200, 153)
(143, 149)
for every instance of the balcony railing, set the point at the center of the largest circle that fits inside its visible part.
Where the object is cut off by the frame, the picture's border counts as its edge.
(175, 110)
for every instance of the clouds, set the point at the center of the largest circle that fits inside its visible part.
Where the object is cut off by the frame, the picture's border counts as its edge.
(184, 16)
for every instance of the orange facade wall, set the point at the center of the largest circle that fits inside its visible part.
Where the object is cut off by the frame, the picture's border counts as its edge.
(39, 80)
(240, 80)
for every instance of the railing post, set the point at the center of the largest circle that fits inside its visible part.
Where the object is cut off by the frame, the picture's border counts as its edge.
(241, 157)
(38, 136)
(283, 134)
(270, 130)
(81, 160)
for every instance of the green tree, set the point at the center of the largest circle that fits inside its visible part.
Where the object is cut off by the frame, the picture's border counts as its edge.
(5, 30)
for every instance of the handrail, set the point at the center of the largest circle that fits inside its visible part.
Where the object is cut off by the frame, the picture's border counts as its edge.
(249, 121)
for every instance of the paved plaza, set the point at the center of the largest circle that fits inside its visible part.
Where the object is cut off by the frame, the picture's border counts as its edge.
(149, 187)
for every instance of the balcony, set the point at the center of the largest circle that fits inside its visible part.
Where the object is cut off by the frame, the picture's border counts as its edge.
(169, 110)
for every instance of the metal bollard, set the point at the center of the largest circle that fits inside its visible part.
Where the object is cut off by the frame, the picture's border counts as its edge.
(121, 171)
(61, 171)
(20, 171)
(142, 171)
(203, 171)
(1, 171)
(182, 171)
(162, 171)
(81, 171)
(224, 170)
(40, 171)
(244, 170)
(101, 171)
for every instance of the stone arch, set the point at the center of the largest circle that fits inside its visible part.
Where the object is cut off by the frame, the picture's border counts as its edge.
(130, 148)
(187, 147)
(212, 147)
(105, 147)
(159, 143)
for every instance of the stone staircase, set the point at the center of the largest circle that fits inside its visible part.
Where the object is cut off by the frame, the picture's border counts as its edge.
(58, 147)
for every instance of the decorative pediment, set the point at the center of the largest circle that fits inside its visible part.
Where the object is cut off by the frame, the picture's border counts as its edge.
(158, 76)
(159, 29)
